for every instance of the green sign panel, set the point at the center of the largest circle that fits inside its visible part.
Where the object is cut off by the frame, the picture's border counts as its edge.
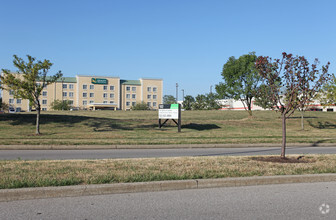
(99, 81)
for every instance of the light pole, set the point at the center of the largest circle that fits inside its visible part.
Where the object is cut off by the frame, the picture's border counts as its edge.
(176, 92)
(182, 95)
(210, 89)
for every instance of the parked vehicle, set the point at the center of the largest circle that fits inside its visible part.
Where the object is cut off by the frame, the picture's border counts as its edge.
(11, 110)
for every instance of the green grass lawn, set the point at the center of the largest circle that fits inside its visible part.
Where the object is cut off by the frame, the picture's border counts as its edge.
(141, 127)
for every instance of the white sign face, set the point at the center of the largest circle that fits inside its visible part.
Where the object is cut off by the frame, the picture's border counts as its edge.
(168, 113)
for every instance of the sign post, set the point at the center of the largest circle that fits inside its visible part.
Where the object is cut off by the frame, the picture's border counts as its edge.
(170, 111)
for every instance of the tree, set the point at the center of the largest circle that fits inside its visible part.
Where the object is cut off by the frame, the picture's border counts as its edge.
(169, 99)
(327, 95)
(60, 105)
(211, 101)
(140, 106)
(291, 84)
(188, 102)
(200, 102)
(29, 82)
(241, 80)
(262, 99)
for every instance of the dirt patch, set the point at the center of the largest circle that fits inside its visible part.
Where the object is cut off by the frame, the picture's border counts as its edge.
(278, 159)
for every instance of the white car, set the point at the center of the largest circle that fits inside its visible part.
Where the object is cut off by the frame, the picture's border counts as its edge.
(11, 110)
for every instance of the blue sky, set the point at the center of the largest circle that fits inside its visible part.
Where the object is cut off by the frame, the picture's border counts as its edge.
(181, 41)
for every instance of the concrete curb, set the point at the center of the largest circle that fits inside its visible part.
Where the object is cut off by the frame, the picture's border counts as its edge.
(172, 146)
(7, 195)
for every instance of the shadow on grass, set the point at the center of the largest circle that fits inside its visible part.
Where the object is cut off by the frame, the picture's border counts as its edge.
(98, 124)
(200, 127)
(322, 125)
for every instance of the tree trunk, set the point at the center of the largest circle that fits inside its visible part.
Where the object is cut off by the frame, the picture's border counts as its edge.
(38, 111)
(283, 147)
(302, 116)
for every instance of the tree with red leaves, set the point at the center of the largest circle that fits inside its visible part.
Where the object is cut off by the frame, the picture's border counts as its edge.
(291, 84)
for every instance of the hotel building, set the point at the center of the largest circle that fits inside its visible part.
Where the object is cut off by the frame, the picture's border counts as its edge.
(95, 92)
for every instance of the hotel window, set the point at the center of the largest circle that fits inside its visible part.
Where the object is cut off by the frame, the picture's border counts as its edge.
(44, 93)
(105, 87)
(128, 88)
(65, 86)
(91, 95)
(112, 102)
(148, 104)
(105, 102)
(154, 89)
(133, 96)
(149, 89)
(71, 94)
(84, 86)
(18, 109)
(154, 104)
(70, 102)
(134, 89)
(11, 101)
(127, 103)
(149, 96)
(84, 94)
(154, 96)
(65, 94)
(112, 95)
(112, 88)
(44, 102)
(91, 86)
(133, 103)
(44, 109)
(105, 95)
(128, 96)
(11, 92)
(71, 86)
(18, 101)
(84, 102)
(91, 101)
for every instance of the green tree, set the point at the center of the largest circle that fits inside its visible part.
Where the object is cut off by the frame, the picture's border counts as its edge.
(299, 83)
(61, 105)
(188, 102)
(30, 81)
(241, 80)
(262, 99)
(327, 95)
(200, 102)
(169, 99)
(211, 101)
(140, 106)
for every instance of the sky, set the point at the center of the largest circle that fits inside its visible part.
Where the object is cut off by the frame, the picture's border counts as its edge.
(180, 41)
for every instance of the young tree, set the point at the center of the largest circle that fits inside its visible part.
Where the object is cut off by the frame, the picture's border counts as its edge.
(291, 83)
(211, 101)
(241, 80)
(29, 82)
(61, 105)
(188, 102)
(169, 99)
(327, 96)
(200, 102)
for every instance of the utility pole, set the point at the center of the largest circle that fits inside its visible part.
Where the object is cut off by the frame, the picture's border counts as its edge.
(176, 92)
(210, 89)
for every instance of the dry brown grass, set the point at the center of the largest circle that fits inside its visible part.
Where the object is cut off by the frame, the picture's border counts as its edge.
(17, 174)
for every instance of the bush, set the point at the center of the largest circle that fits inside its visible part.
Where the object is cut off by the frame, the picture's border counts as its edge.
(140, 106)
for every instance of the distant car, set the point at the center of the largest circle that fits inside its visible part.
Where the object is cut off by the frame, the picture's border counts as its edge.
(11, 110)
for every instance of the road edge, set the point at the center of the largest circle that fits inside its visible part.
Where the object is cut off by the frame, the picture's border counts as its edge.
(7, 195)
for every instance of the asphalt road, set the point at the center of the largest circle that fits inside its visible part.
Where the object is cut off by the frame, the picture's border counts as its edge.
(148, 153)
(281, 201)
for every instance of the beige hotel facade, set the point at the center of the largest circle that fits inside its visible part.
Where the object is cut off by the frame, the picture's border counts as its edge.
(95, 92)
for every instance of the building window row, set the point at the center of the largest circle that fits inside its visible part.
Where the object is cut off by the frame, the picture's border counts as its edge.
(150, 97)
(65, 86)
(152, 89)
(104, 87)
(128, 88)
(91, 101)
(12, 101)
